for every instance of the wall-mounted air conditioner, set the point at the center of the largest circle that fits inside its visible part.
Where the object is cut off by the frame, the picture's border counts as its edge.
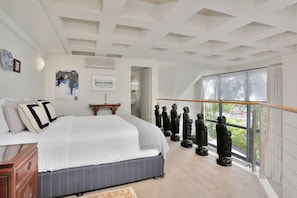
(99, 63)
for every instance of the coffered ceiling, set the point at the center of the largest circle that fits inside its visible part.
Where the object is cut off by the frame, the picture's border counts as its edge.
(219, 33)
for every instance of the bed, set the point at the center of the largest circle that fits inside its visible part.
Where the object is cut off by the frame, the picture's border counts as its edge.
(77, 154)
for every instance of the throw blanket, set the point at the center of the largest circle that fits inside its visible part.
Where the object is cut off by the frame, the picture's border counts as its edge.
(150, 136)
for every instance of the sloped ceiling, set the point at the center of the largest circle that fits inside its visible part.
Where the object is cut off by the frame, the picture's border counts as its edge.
(218, 33)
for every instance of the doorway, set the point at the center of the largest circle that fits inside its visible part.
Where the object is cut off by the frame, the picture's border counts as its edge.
(141, 92)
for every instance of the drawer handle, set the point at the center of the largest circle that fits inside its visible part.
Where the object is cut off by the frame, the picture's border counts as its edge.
(29, 165)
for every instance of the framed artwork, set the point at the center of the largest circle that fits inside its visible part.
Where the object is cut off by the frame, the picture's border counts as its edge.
(66, 85)
(7, 60)
(16, 65)
(103, 83)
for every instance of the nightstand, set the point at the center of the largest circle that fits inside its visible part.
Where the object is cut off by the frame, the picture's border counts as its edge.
(19, 171)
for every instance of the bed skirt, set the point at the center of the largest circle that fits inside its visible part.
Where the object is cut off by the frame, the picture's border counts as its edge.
(88, 178)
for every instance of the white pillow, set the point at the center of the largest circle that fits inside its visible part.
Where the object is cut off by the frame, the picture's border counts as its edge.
(13, 119)
(33, 117)
(49, 110)
(3, 124)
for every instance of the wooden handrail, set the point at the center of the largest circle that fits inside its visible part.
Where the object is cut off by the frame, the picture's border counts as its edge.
(284, 108)
(280, 107)
(211, 101)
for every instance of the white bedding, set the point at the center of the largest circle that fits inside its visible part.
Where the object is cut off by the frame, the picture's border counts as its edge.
(90, 140)
(23, 137)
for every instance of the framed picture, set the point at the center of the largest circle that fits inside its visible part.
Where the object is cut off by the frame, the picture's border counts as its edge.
(67, 85)
(16, 65)
(103, 83)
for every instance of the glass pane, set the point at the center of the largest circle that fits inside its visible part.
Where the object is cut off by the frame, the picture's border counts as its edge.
(233, 86)
(210, 88)
(257, 89)
(211, 111)
(239, 140)
(235, 114)
(211, 130)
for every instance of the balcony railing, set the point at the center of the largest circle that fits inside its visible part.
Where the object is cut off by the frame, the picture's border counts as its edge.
(272, 133)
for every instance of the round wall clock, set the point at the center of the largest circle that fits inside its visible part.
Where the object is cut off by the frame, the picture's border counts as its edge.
(7, 60)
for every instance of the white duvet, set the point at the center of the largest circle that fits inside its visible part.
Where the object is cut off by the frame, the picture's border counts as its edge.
(79, 141)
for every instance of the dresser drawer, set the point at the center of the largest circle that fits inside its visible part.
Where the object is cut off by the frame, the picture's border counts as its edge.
(26, 168)
(29, 189)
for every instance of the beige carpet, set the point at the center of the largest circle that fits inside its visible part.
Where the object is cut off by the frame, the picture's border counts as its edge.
(188, 175)
(126, 192)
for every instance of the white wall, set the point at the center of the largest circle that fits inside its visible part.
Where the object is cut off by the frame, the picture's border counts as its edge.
(27, 83)
(182, 84)
(174, 82)
(86, 95)
(289, 133)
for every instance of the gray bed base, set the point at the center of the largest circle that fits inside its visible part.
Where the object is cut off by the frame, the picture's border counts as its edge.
(88, 178)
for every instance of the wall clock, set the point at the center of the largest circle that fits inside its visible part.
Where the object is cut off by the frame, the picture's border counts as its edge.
(7, 60)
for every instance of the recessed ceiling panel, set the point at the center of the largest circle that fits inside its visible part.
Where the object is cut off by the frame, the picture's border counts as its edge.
(265, 53)
(289, 12)
(208, 19)
(79, 26)
(237, 59)
(114, 55)
(282, 39)
(292, 47)
(174, 39)
(118, 46)
(249, 30)
(147, 10)
(129, 33)
(240, 49)
(85, 5)
(82, 43)
(190, 53)
(250, 2)
(214, 56)
(211, 45)
(158, 50)
(82, 53)
(159, 1)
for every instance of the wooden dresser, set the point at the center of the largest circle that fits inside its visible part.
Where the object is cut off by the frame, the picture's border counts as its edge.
(19, 171)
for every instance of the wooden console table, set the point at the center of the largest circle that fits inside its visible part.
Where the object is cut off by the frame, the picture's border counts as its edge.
(113, 107)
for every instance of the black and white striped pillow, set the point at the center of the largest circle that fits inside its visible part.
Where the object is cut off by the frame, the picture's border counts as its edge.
(33, 117)
(49, 110)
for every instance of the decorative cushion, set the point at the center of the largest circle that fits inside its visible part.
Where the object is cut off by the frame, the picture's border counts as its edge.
(3, 124)
(33, 117)
(49, 110)
(13, 119)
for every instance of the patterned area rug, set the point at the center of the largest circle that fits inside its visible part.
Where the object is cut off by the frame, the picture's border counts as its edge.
(126, 192)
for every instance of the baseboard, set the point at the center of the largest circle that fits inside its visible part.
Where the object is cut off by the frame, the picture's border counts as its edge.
(268, 188)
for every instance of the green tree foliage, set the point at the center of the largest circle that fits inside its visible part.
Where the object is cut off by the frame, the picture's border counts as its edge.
(238, 135)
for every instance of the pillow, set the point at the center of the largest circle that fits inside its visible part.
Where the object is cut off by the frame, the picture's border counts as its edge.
(49, 110)
(13, 119)
(3, 124)
(33, 117)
